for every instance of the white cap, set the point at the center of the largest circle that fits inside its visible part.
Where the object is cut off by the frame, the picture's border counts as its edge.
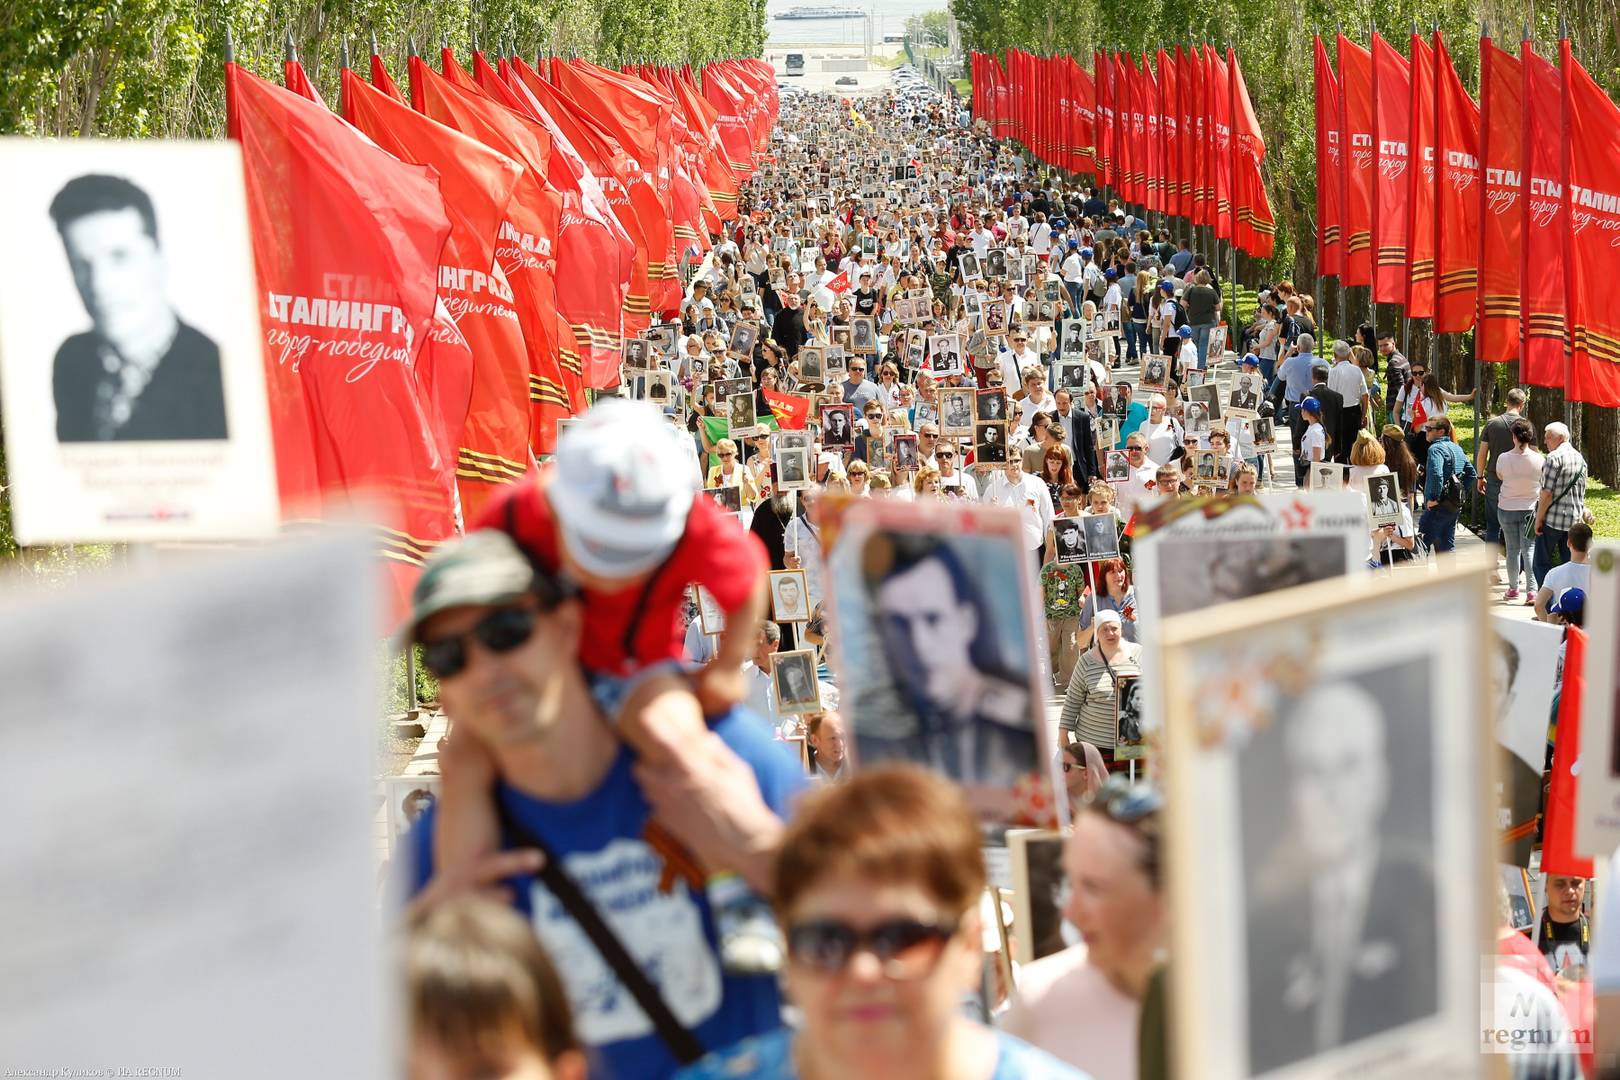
(1107, 615)
(621, 488)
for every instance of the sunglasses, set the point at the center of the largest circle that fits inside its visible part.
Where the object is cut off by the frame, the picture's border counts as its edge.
(945, 454)
(1136, 449)
(906, 948)
(500, 632)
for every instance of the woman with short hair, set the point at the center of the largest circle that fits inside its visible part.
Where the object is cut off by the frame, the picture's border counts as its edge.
(878, 887)
(1519, 469)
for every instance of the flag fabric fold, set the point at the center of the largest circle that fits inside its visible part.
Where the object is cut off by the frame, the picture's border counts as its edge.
(1501, 212)
(1456, 197)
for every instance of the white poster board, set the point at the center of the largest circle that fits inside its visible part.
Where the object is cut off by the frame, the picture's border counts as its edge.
(1597, 800)
(131, 357)
(192, 865)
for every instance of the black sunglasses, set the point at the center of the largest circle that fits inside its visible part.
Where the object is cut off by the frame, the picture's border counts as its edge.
(500, 631)
(906, 948)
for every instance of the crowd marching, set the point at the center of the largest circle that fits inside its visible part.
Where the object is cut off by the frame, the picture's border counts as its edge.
(634, 651)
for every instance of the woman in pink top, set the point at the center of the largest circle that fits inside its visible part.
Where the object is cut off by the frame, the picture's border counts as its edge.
(1519, 469)
(1082, 1005)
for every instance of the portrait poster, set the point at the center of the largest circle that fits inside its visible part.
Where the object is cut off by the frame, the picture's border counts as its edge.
(863, 335)
(1155, 375)
(185, 824)
(1597, 805)
(940, 647)
(152, 253)
(812, 361)
(1217, 345)
(905, 454)
(990, 443)
(1117, 468)
(1040, 894)
(1327, 476)
(790, 596)
(1265, 435)
(1384, 499)
(1102, 536)
(741, 412)
(409, 797)
(1069, 535)
(991, 404)
(1194, 553)
(727, 497)
(1331, 891)
(1072, 342)
(633, 354)
(1521, 909)
(1130, 741)
(1243, 401)
(945, 354)
(793, 678)
(956, 412)
(838, 427)
(1209, 396)
(793, 471)
(662, 337)
(711, 618)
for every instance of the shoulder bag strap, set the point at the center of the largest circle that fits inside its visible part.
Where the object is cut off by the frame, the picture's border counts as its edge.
(682, 1043)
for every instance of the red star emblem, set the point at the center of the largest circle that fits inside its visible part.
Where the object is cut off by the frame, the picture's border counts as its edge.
(1298, 516)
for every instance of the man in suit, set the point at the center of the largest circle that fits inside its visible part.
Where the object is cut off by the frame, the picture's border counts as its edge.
(1342, 927)
(1332, 418)
(139, 374)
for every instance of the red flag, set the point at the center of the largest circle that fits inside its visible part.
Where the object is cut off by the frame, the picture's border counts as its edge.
(1170, 125)
(1558, 854)
(1356, 128)
(1420, 171)
(1154, 147)
(1392, 102)
(792, 411)
(838, 284)
(1255, 225)
(1541, 266)
(1130, 145)
(735, 134)
(1105, 119)
(1456, 201)
(297, 80)
(493, 446)
(1593, 212)
(1086, 117)
(1501, 214)
(1186, 82)
(1203, 183)
(525, 245)
(1218, 94)
(1329, 167)
(346, 240)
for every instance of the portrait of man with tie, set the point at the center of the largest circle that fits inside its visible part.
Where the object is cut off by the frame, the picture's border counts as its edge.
(1342, 926)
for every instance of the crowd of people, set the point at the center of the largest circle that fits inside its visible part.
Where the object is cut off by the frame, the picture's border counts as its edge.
(651, 846)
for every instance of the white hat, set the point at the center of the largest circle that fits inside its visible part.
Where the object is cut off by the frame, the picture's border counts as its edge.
(621, 488)
(1107, 615)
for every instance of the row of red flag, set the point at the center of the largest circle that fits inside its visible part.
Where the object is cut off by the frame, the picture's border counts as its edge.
(1500, 215)
(442, 281)
(1175, 133)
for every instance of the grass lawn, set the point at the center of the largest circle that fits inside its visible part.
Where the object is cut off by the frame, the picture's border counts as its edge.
(1603, 501)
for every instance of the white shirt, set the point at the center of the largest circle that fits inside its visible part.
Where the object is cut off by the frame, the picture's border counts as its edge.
(761, 696)
(1163, 437)
(1314, 439)
(1113, 297)
(964, 481)
(1030, 496)
(1029, 406)
(1570, 575)
(1189, 355)
(1129, 494)
(1013, 365)
(1349, 381)
(1072, 268)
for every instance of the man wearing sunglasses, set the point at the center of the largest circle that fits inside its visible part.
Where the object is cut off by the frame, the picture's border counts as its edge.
(1140, 485)
(503, 638)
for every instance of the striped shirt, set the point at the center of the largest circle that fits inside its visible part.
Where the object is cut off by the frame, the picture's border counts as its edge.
(1563, 474)
(1088, 707)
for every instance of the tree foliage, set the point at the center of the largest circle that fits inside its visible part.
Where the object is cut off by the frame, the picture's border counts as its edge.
(930, 28)
(133, 68)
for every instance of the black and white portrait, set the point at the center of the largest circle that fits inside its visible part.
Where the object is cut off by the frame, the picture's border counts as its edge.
(1384, 499)
(793, 468)
(905, 453)
(992, 404)
(1338, 831)
(1118, 467)
(838, 426)
(1265, 433)
(1040, 890)
(863, 335)
(1196, 418)
(945, 354)
(1154, 373)
(1102, 536)
(740, 411)
(1207, 467)
(793, 675)
(661, 337)
(1070, 538)
(1244, 400)
(995, 317)
(835, 360)
(1072, 344)
(633, 354)
(995, 263)
(744, 336)
(790, 597)
(1209, 396)
(841, 337)
(1521, 668)
(990, 442)
(1128, 739)
(812, 359)
(1326, 476)
(969, 265)
(957, 411)
(727, 497)
(1201, 571)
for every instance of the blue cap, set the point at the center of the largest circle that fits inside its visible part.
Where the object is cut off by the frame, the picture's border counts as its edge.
(1312, 404)
(1184, 330)
(1570, 601)
(1085, 251)
(1167, 286)
(1251, 360)
(1110, 273)
(1056, 232)
(1072, 243)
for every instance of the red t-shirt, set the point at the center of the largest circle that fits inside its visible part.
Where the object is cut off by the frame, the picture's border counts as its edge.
(715, 552)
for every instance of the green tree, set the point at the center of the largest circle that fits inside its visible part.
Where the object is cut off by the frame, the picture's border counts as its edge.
(931, 28)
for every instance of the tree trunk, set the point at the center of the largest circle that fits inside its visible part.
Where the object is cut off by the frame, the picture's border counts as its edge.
(1601, 442)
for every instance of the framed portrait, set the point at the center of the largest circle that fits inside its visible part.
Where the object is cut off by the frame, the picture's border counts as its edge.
(1072, 339)
(656, 386)
(945, 354)
(1243, 400)
(842, 337)
(633, 354)
(904, 457)
(995, 263)
(1117, 469)
(142, 249)
(973, 304)
(1207, 467)
(995, 318)
(793, 677)
(969, 266)
(877, 452)
(1208, 395)
(740, 412)
(1217, 345)
(1384, 499)
(1377, 676)
(1155, 375)
(991, 404)
(835, 364)
(1130, 742)
(727, 497)
(1102, 536)
(790, 596)
(790, 440)
(955, 577)
(916, 349)
(1516, 887)
(1265, 435)
(1195, 418)
(927, 413)
(793, 471)
(1069, 540)
(409, 797)
(662, 338)
(956, 417)
(838, 427)
(1040, 894)
(990, 442)
(711, 618)
(863, 335)
(812, 363)
(744, 336)
(1327, 475)
(1107, 429)
(725, 389)
(1193, 377)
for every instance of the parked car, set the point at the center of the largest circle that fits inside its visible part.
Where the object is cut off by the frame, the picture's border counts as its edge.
(846, 80)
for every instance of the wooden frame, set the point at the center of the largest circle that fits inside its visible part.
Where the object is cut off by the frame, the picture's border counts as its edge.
(795, 660)
(1029, 943)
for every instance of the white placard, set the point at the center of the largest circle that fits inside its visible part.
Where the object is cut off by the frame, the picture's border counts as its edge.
(1597, 799)
(191, 865)
(148, 420)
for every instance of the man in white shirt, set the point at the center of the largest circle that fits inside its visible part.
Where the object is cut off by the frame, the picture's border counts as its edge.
(1092, 275)
(1187, 359)
(1575, 574)
(1162, 431)
(1351, 383)
(1014, 487)
(1140, 487)
(1016, 357)
(954, 482)
(761, 695)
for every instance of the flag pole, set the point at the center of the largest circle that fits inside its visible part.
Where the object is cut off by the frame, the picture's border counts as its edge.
(1563, 72)
(1372, 238)
(1439, 178)
(1406, 317)
(1231, 186)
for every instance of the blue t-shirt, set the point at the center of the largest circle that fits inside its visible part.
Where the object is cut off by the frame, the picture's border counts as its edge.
(1136, 415)
(669, 930)
(770, 1057)
(1296, 376)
